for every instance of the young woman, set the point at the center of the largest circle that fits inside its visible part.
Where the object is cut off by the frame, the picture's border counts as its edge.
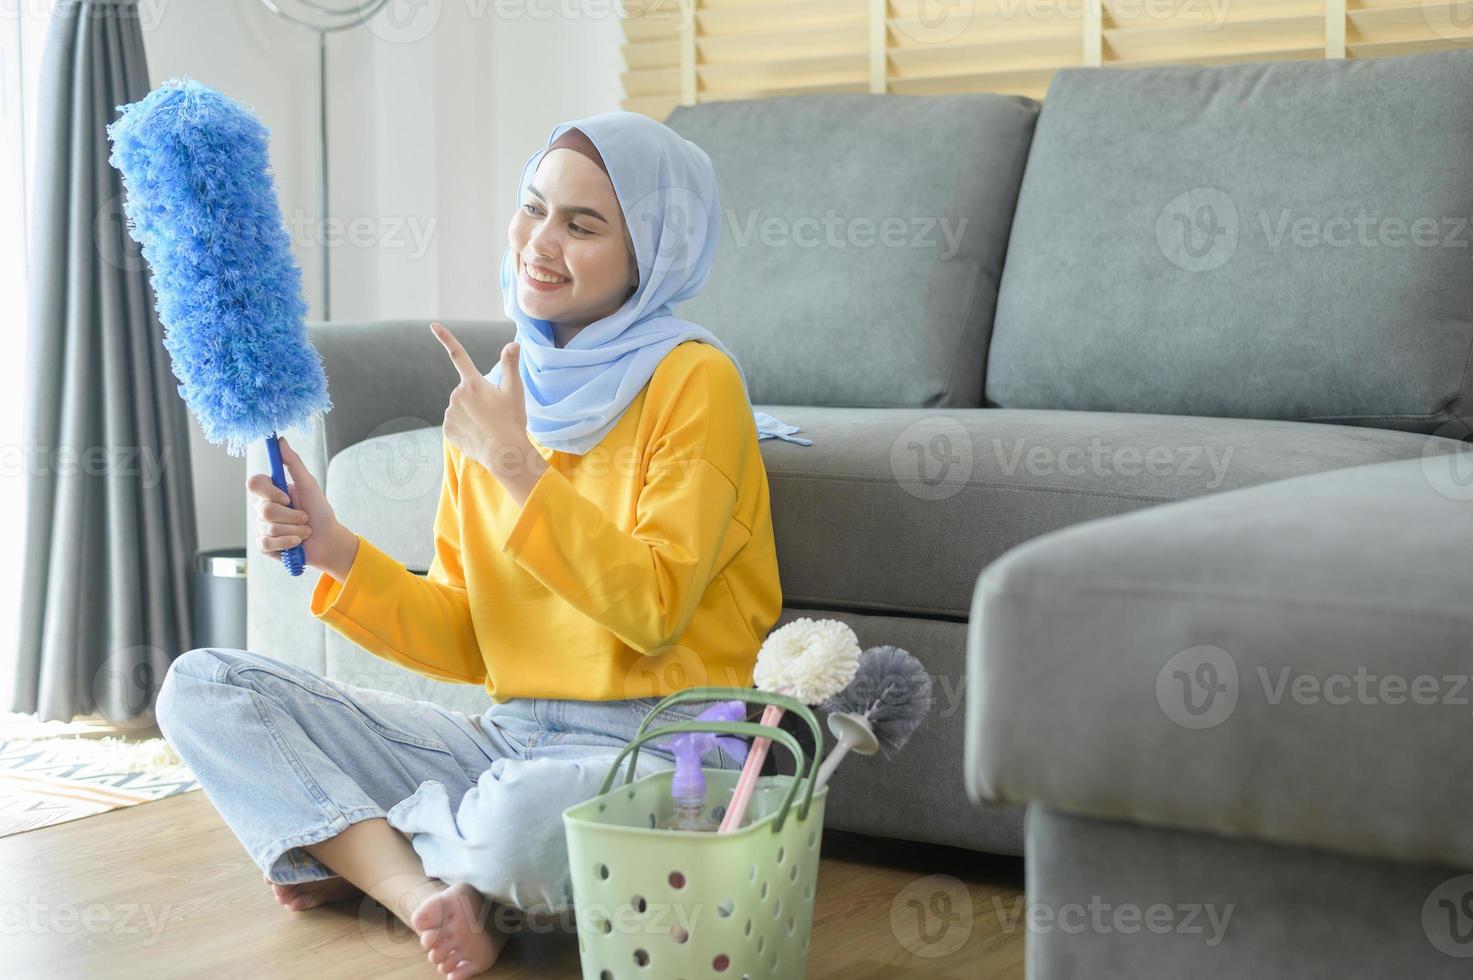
(603, 538)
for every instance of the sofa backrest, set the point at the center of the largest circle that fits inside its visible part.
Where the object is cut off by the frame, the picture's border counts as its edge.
(1284, 240)
(862, 240)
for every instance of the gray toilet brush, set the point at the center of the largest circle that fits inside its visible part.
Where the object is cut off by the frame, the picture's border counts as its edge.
(886, 701)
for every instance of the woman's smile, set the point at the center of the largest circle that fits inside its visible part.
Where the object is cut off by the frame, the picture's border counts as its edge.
(538, 284)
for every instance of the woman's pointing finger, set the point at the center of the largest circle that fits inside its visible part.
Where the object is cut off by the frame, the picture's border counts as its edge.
(458, 356)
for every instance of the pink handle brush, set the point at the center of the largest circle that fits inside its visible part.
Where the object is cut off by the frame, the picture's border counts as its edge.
(810, 660)
(740, 796)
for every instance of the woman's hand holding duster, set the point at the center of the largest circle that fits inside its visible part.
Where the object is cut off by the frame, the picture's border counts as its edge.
(302, 516)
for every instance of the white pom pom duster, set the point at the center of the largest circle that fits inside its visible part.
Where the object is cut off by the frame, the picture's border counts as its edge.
(811, 660)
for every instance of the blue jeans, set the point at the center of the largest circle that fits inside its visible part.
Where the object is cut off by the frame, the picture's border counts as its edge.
(290, 758)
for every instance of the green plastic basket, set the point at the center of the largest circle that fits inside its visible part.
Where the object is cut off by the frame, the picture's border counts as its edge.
(681, 905)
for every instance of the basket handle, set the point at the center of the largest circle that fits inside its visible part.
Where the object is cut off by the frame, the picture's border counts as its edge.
(721, 728)
(751, 695)
(748, 694)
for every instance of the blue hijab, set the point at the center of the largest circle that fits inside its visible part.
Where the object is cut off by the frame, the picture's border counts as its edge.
(666, 188)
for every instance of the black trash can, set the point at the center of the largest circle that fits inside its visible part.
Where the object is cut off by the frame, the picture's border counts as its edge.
(220, 598)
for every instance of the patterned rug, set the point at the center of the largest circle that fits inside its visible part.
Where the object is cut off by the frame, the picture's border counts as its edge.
(52, 772)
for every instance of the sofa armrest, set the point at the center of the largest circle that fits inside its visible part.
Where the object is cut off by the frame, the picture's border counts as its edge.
(1287, 662)
(388, 376)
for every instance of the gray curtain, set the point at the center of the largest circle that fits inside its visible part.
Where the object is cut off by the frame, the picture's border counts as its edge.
(110, 535)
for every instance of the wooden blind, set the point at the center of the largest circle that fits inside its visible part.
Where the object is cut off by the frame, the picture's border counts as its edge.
(680, 52)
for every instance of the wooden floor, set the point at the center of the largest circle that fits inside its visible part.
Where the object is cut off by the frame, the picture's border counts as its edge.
(163, 890)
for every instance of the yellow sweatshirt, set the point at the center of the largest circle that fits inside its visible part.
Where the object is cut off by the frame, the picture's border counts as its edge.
(643, 567)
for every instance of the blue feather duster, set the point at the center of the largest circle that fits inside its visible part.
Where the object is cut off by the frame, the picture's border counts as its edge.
(201, 202)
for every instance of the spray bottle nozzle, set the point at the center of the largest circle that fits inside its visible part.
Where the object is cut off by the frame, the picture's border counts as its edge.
(689, 781)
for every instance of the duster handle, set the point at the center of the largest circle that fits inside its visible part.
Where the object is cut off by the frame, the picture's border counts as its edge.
(294, 558)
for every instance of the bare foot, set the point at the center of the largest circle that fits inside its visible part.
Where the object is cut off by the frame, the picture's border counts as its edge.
(452, 926)
(310, 894)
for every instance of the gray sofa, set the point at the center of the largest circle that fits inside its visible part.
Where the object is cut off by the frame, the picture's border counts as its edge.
(1054, 364)
(1239, 716)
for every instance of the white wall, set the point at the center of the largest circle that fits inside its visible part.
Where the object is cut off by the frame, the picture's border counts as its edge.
(433, 109)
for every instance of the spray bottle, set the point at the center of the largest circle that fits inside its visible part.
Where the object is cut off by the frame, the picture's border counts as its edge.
(688, 786)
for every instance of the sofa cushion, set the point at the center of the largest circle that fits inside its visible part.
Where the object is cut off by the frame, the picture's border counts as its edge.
(1288, 662)
(898, 510)
(863, 240)
(1283, 240)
